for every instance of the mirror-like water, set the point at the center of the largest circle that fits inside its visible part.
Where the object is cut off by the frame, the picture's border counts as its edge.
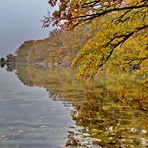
(29, 118)
(108, 113)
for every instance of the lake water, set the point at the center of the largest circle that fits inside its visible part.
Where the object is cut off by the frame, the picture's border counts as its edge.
(29, 118)
(46, 108)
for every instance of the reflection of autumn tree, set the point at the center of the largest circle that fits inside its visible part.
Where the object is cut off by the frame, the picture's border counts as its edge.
(123, 88)
(10, 67)
(122, 35)
(107, 117)
(111, 110)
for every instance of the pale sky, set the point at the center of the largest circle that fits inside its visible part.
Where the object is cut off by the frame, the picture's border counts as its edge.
(20, 20)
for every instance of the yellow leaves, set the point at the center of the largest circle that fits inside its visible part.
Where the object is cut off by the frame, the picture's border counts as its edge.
(94, 54)
(133, 2)
(113, 32)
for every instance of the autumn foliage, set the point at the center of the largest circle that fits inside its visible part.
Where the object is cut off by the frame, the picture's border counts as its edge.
(120, 38)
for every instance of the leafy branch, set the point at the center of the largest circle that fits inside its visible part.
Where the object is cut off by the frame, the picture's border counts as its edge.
(124, 37)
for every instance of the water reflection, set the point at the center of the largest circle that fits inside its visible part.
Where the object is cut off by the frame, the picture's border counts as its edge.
(2, 65)
(9, 66)
(28, 117)
(110, 113)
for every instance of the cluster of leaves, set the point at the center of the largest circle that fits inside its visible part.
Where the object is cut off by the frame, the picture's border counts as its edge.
(121, 28)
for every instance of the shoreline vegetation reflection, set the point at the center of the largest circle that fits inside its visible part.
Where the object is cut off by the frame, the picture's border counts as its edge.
(111, 112)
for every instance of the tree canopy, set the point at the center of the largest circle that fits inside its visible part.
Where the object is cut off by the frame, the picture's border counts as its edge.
(121, 34)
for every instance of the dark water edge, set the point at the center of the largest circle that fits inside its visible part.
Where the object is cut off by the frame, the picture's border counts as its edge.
(110, 113)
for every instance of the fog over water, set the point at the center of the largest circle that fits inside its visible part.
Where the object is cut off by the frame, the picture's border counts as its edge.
(20, 20)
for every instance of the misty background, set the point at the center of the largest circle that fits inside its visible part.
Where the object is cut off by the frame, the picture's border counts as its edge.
(20, 20)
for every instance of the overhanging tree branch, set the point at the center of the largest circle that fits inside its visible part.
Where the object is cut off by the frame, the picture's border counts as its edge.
(104, 12)
(114, 46)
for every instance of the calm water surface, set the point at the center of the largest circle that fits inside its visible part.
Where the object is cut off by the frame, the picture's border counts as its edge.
(46, 108)
(28, 117)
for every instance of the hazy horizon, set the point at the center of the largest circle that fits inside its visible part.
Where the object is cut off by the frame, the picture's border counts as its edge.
(21, 21)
